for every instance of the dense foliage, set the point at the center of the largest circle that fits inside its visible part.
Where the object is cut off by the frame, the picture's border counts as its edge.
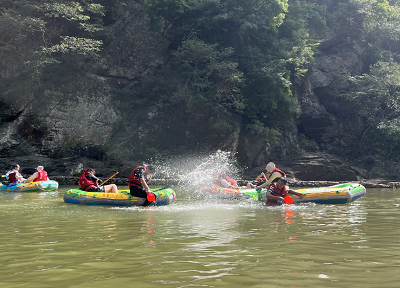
(226, 57)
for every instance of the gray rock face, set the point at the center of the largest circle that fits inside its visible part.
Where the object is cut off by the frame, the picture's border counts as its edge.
(318, 93)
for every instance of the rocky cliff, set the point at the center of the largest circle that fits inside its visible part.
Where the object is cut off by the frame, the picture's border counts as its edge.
(79, 111)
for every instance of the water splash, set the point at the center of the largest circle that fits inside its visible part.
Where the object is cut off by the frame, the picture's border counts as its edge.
(196, 171)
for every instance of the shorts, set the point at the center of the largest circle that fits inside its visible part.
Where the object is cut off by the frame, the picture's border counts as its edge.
(97, 189)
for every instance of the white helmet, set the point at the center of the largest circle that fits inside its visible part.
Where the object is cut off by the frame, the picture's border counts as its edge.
(270, 167)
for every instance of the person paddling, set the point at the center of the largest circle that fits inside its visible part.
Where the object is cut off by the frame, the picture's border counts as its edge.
(275, 175)
(39, 175)
(14, 177)
(90, 183)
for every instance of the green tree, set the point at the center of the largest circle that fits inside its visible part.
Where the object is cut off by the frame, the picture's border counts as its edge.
(376, 98)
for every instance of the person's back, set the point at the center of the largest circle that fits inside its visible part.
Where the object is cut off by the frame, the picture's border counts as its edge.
(13, 176)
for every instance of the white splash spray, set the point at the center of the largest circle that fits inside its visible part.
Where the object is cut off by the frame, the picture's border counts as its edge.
(196, 171)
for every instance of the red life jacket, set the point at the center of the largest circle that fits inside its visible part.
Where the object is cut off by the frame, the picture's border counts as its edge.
(134, 180)
(276, 192)
(42, 176)
(277, 178)
(12, 177)
(84, 183)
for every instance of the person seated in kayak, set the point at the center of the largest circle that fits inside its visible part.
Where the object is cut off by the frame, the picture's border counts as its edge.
(39, 175)
(14, 177)
(90, 183)
(261, 179)
(278, 191)
(275, 175)
(138, 180)
(221, 180)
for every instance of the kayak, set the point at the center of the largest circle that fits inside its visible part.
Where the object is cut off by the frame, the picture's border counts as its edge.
(122, 198)
(39, 186)
(337, 194)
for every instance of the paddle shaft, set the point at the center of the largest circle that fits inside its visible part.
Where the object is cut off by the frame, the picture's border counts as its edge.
(108, 179)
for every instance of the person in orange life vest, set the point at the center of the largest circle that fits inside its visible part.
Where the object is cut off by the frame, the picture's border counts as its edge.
(90, 183)
(275, 175)
(221, 180)
(261, 179)
(138, 180)
(278, 190)
(39, 175)
(14, 177)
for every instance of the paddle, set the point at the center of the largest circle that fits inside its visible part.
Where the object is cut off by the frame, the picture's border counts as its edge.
(108, 179)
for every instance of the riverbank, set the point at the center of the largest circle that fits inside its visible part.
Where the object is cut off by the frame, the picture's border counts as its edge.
(371, 183)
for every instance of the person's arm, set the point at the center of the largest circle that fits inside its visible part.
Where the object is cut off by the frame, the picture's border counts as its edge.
(258, 179)
(91, 177)
(273, 176)
(30, 179)
(290, 191)
(144, 184)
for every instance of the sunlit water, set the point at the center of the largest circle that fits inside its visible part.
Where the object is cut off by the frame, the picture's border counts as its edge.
(198, 243)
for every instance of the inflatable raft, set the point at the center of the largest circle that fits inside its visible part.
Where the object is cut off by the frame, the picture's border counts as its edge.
(39, 186)
(122, 198)
(228, 193)
(338, 194)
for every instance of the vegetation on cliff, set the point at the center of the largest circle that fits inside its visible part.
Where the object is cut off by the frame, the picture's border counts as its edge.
(229, 63)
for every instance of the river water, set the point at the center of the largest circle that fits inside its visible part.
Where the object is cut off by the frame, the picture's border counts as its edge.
(198, 243)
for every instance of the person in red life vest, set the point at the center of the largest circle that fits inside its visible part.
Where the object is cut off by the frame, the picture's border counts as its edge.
(138, 180)
(13, 176)
(275, 175)
(39, 175)
(90, 183)
(278, 190)
(221, 180)
(261, 179)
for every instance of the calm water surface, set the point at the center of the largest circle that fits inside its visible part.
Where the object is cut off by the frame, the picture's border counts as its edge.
(196, 243)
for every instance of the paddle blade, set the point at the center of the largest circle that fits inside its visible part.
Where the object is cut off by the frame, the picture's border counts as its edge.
(151, 197)
(288, 200)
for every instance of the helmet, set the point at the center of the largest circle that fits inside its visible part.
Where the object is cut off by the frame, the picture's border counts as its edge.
(270, 167)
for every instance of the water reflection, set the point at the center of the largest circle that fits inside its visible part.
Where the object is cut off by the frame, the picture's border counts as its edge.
(47, 243)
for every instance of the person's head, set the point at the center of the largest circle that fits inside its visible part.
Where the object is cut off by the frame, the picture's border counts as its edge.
(41, 168)
(270, 167)
(15, 166)
(281, 182)
(149, 168)
(267, 175)
(91, 171)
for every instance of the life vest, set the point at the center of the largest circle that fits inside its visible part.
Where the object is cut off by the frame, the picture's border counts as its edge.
(134, 180)
(277, 178)
(12, 177)
(276, 192)
(42, 176)
(85, 184)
